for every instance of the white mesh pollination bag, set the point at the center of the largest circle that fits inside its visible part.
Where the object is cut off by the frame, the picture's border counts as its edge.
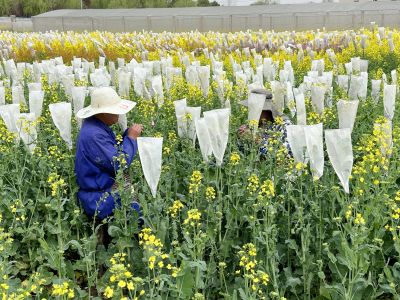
(217, 121)
(27, 130)
(347, 111)
(297, 142)
(150, 152)
(315, 149)
(61, 114)
(340, 152)
(389, 99)
(36, 102)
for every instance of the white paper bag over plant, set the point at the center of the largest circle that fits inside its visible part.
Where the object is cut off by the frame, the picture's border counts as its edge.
(362, 93)
(347, 111)
(289, 69)
(10, 114)
(123, 122)
(61, 114)
(192, 76)
(150, 152)
(278, 98)
(385, 136)
(17, 93)
(171, 75)
(355, 87)
(204, 138)
(139, 81)
(269, 69)
(326, 78)
(255, 106)
(389, 100)
(27, 130)
(343, 82)
(191, 115)
(258, 77)
(289, 99)
(218, 128)
(318, 66)
(364, 65)
(283, 76)
(78, 97)
(2, 95)
(297, 142)
(376, 90)
(300, 109)
(36, 102)
(124, 83)
(315, 149)
(157, 89)
(356, 65)
(349, 68)
(318, 98)
(204, 78)
(180, 110)
(34, 86)
(340, 152)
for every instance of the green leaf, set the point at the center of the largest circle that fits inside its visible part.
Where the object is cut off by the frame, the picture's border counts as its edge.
(186, 282)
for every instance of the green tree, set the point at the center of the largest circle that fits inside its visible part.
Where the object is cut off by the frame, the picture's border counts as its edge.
(5, 6)
(206, 3)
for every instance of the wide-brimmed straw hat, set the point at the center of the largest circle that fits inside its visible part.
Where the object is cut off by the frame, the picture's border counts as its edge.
(268, 98)
(105, 100)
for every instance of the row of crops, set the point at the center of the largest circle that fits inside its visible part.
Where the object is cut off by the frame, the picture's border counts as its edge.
(222, 219)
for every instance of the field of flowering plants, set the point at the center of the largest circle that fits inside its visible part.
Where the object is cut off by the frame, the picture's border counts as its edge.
(222, 220)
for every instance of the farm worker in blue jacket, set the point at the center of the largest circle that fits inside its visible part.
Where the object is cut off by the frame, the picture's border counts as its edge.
(96, 151)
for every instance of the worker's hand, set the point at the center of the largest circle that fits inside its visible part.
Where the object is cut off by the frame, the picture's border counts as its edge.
(135, 131)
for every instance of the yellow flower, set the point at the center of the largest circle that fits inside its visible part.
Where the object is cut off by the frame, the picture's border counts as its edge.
(130, 285)
(175, 208)
(193, 218)
(195, 181)
(234, 158)
(210, 193)
(121, 284)
(253, 184)
(109, 292)
(359, 220)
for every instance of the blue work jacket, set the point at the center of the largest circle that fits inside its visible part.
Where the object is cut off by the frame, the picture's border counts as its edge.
(96, 168)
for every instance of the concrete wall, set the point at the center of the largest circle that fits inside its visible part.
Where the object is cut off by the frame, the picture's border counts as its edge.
(332, 16)
(16, 24)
